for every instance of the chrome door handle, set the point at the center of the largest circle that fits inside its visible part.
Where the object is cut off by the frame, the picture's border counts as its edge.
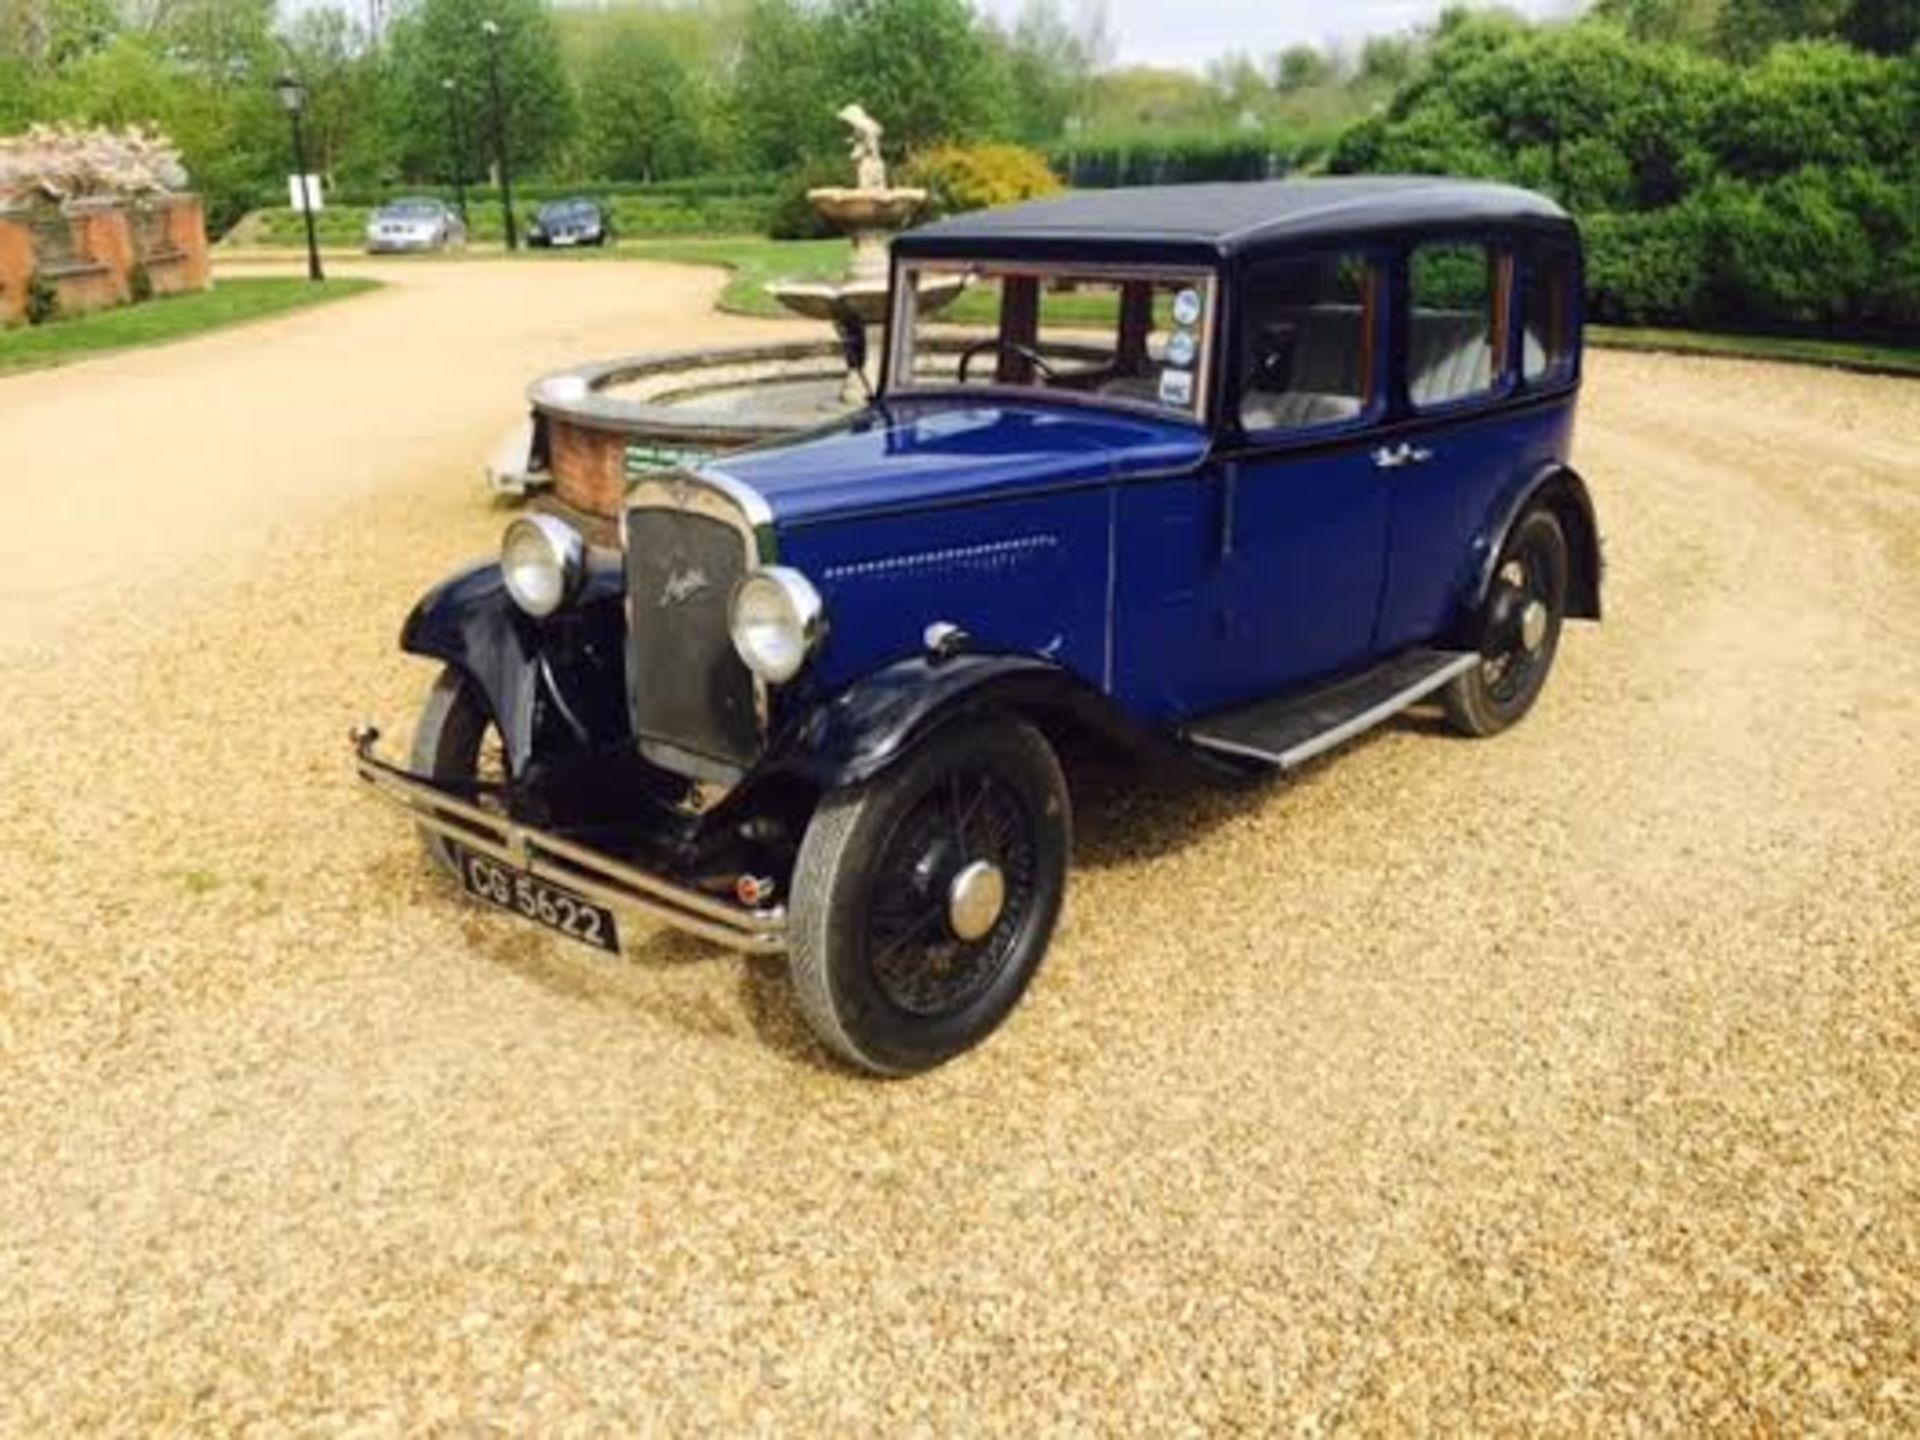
(1393, 457)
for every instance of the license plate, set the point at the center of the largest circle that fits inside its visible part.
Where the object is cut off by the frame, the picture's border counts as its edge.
(540, 901)
(563, 239)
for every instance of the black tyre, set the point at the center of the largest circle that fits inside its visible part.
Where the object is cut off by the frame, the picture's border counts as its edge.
(456, 742)
(923, 902)
(1525, 610)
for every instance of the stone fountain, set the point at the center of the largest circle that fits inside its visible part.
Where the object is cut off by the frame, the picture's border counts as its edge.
(871, 212)
(597, 428)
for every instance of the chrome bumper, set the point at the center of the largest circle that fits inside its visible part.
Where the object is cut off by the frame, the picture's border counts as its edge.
(599, 877)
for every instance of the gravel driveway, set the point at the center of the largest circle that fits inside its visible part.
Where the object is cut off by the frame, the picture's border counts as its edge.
(1568, 1080)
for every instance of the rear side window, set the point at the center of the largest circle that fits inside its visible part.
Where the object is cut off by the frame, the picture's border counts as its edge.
(1458, 299)
(1546, 332)
(1307, 347)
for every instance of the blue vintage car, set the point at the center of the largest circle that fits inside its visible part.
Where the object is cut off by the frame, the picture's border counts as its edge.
(1223, 475)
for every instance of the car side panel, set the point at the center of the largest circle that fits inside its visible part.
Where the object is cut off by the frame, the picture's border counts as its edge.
(1246, 578)
(1445, 510)
(1022, 575)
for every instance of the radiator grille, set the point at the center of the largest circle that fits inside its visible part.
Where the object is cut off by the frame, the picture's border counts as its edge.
(692, 701)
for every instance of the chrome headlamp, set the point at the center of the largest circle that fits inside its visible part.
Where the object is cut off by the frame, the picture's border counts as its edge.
(777, 621)
(543, 561)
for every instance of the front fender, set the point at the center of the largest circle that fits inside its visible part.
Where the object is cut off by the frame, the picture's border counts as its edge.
(878, 720)
(470, 621)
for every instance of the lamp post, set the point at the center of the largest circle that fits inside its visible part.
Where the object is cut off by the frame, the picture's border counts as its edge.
(459, 147)
(491, 29)
(293, 97)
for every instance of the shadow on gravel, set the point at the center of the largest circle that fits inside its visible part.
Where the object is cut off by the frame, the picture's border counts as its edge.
(766, 995)
(1124, 813)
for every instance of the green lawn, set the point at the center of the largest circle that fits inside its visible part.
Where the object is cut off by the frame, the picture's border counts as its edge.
(753, 261)
(1902, 360)
(172, 317)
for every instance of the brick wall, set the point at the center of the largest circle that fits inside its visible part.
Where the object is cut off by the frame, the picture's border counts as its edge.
(89, 249)
(16, 264)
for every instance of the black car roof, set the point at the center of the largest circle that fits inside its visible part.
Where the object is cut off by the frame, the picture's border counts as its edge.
(1220, 220)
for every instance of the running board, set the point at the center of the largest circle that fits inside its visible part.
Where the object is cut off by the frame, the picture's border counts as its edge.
(1290, 730)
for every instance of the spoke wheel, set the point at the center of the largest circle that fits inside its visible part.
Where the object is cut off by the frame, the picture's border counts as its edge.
(1521, 632)
(953, 884)
(923, 902)
(456, 743)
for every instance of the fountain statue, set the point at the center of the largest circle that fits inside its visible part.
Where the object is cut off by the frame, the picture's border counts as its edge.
(872, 212)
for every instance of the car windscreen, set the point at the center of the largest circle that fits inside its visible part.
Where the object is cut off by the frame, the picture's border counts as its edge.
(568, 212)
(411, 210)
(1135, 338)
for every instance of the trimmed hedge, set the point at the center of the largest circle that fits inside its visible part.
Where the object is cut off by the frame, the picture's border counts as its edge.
(633, 217)
(534, 192)
(1110, 163)
(1781, 196)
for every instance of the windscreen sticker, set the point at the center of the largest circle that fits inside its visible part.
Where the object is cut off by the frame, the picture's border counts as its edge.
(1180, 349)
(1186, 308)
(1176, 387)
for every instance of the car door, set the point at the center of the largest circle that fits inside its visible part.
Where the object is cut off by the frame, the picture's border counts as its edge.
(1457, 444)
(1264, 572)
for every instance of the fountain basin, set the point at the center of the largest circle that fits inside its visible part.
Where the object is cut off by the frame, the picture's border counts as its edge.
(851, 208)
(865, 300)
(595, 429)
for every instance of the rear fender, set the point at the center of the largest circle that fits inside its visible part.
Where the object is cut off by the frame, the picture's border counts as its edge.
(1560, 489)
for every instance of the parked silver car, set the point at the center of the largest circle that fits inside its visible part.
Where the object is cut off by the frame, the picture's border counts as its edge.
(417, 223)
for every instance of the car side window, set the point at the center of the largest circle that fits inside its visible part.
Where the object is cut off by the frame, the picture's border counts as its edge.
(1457, 310)
(1308, 328)
(1546, 332)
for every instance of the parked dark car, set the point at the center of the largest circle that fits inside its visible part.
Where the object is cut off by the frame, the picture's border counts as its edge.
(414, 224)
(571, 222)
(1223, 476)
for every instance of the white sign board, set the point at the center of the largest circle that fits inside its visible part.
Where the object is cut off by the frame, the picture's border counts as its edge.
(310, 185)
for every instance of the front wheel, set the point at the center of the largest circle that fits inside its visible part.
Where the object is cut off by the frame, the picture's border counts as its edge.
(1521, 631)
(456, 743)
(923, 901)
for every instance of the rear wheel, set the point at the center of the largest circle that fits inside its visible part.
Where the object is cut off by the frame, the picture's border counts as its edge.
(456, 743)
(1525, 610)
(923, 902)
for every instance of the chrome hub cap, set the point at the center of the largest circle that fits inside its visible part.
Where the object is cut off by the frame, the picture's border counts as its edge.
(975, 899)
(1533, 625)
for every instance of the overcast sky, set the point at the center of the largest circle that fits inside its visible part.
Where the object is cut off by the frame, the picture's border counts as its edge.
(1192, 32)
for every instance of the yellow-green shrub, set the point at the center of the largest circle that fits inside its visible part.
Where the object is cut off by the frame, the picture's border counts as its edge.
(978, 177)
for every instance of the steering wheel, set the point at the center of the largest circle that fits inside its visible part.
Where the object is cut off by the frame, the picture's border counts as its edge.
(995, 343)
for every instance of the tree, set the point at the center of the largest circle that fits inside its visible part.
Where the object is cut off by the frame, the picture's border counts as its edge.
(642, 116)
(782, 108)
(220, 40)
(1050, 63)
(1682, 22)
(345, 77)
(19, 95)
(1886, 27)
(1147, 96)
(231, 135)
(442, 40)
(923, 69)
(1749, 28)
(41, 37)
(1388, 60)
(1302, 67)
